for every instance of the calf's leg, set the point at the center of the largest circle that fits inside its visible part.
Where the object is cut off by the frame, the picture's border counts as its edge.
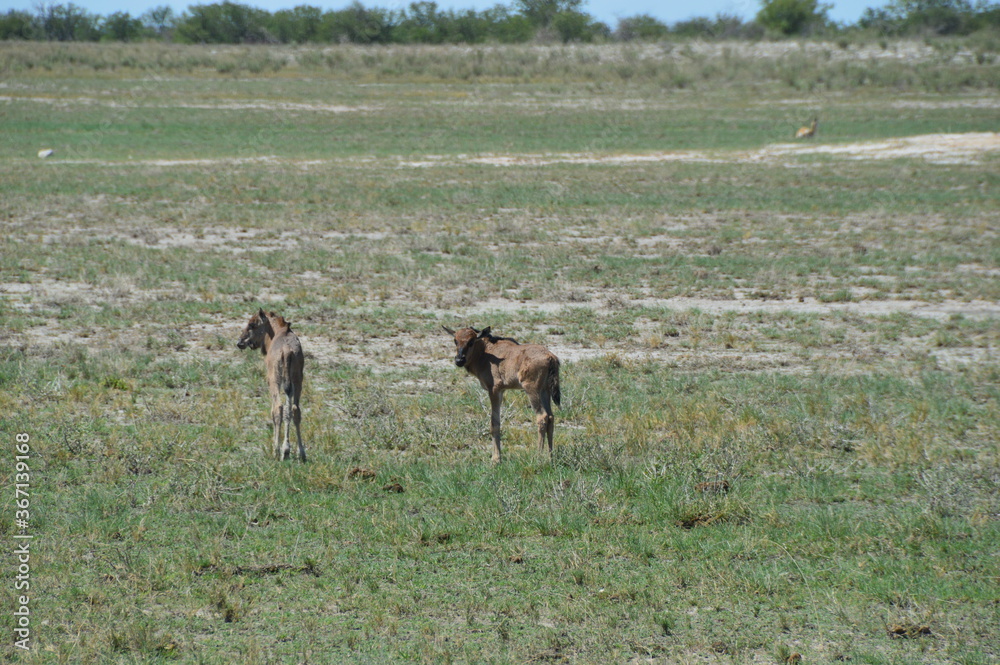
(541, 402)
(496, 401)
(297, 419)
(286, 445)
(276, 418)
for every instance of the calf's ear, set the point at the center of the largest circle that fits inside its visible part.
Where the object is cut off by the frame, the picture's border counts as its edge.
(485, 332)
(260, 312)
(448, 330)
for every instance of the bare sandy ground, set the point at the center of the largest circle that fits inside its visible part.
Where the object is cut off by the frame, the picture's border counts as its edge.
(520, 101)
(966, 148)
(940, 311)
(935, 148)
(212, 340)
(80, 100)
(45, 292)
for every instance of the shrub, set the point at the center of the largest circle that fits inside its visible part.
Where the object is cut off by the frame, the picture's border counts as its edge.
(792, 17)
(65, 23)
(224, 23)
(359, 25)
(643, 27)
(121, 27)
(17, 25)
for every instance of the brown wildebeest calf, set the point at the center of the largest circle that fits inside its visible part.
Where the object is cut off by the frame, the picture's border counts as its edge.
(500, 364)
(284, 361)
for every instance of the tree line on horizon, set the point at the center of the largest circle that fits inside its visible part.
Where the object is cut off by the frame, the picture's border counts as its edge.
(424, 22)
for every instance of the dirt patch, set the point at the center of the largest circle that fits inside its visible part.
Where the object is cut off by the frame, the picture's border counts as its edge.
(940, 310)
(42, 303)
(549, 159)
(974, 103)
(43, 298)
(46, 293)
(234, 240)
(210, 239)
(935, 148)
(166, 163)
(269, 106)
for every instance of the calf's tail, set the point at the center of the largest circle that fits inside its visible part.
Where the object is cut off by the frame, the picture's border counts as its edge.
(554, 381)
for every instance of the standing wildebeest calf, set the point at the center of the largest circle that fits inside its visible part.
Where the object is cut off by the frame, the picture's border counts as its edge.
(500, 364)
(284, 361)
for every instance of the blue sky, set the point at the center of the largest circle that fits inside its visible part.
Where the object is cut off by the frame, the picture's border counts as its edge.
(609, 11)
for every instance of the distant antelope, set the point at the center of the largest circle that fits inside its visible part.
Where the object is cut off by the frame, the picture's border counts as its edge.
(500, 364)
(807, 132)
(284, 361)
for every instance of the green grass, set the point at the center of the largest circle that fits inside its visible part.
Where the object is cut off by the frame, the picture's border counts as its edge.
(418, 101)
(849, 499)
(817, 334)
(252, 121)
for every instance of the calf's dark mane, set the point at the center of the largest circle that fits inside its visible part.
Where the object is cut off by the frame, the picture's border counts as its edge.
(496, 338)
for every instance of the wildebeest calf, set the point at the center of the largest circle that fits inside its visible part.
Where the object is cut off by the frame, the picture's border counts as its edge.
(284, 361)
(500, 364)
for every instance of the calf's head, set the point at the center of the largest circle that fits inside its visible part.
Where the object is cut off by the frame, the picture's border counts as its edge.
(254, 331)
(465, 338)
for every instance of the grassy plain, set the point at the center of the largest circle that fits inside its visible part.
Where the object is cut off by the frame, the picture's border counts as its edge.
(815, 330)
